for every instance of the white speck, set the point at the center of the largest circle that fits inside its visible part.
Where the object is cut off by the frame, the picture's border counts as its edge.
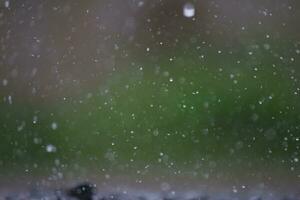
(50, 148)
(165, 186)
(140, 3)
(205, 104)
(296, 159)
(148, 49)
(9, 99)
(110, 155)
(195, 92)
(267, 46)
(34, 119)
(234, 190)
(155, 132)
(37, 140)
(6, 4)
(21, 127)
(54, 125)
(166, 73)
(4, 82)
(189, 10)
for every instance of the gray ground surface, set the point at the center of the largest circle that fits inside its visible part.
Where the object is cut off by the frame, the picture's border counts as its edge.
(86, 191)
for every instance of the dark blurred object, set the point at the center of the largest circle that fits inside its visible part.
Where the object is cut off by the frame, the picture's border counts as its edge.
(84, 191)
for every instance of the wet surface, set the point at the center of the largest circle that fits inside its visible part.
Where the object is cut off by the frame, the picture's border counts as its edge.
(88, 191)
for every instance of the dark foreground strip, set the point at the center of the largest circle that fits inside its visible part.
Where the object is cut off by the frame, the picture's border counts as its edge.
(87, 191)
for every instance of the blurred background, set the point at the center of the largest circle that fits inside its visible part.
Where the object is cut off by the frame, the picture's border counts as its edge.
(150, 89)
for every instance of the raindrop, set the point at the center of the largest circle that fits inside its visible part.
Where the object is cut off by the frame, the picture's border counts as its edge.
(189, 10)
(50, 148)
(54, 126)
(234, 189)
(9, 99)
(4, 82)
(165, 186)
(155, 132)
(34, 119)
(6, 4)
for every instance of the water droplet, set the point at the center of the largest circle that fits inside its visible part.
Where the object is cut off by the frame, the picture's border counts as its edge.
(50, 148)
(234, 189)
(54, 125)
(9, 100)
(6, 4)
(34, 119)
(4, 82)
(189, 10)
(155, 132)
